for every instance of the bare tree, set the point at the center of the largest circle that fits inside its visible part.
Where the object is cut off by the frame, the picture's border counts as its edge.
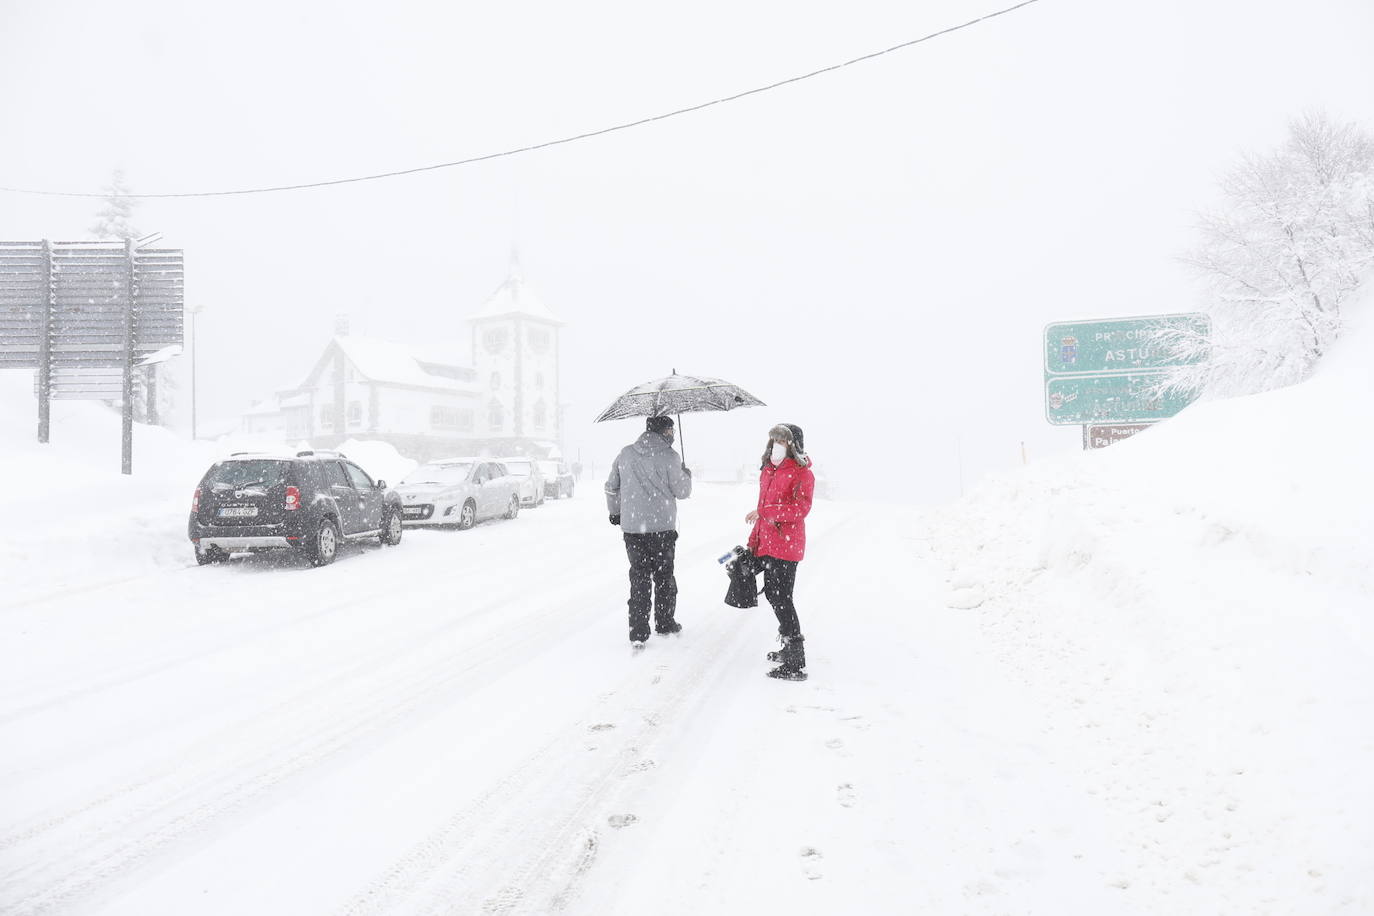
(1279, 258)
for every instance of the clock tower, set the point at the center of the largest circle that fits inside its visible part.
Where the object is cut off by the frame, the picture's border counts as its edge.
(515, 355)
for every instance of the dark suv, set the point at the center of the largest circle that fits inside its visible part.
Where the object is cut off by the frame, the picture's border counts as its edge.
(310, 501)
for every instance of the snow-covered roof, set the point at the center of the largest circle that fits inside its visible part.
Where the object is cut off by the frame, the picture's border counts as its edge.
(295, 400)
(514, 297)
(265, 409)
(397, 364)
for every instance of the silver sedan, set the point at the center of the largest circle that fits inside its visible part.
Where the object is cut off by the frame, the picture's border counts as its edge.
(459, 492)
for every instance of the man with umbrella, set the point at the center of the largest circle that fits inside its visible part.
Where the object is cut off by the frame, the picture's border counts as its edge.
(647, 479)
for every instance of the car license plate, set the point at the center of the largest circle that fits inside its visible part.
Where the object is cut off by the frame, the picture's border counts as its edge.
(413, 511)
(238, 511)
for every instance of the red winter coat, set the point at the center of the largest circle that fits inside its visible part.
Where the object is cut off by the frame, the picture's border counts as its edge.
(784, 500)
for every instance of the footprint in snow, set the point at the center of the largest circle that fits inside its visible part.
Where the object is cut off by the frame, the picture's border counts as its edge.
(619, 821)
(834, 744)
(602, 726)
(811, 862)
(642, 766)
(846, 795)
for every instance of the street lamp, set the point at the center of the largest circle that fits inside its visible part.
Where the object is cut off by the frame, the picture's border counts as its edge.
(194, 311)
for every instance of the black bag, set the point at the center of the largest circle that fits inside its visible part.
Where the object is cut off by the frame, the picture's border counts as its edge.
(743, 571)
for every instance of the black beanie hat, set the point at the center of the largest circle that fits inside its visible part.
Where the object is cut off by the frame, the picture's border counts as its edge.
(658, 424)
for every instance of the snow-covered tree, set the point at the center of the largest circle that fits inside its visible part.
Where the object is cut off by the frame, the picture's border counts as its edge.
(114, 220)
(1279, 258)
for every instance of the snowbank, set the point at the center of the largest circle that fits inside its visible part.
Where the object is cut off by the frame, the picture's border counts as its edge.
(1194, 605)
(81, 519)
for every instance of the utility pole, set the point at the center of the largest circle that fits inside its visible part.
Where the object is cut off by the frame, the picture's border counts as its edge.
(194, 310)
(959, 456)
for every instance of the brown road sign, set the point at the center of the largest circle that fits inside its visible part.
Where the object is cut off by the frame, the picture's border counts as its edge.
(1107, 434)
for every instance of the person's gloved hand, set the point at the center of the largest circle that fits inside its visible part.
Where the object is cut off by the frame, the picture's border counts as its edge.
(615, 519)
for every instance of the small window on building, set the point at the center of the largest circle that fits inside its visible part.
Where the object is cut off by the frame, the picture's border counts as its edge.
(539, 381)
(539, 339)
(495, 381)
(496, 417)
(327, 416)
(355, 413)
(541, 415)
(451, 419)
(495, 339)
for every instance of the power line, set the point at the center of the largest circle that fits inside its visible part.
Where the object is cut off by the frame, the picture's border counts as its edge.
(547, 143)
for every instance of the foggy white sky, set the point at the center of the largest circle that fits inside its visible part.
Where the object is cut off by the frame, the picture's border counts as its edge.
(873, 252)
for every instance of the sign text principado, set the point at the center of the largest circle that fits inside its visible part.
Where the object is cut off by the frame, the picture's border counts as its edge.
(1114, 345)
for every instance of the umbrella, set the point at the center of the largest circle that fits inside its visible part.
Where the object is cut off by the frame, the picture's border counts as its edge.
(678, 394)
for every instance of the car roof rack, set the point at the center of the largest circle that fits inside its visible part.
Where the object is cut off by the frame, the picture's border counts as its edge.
(320, 453)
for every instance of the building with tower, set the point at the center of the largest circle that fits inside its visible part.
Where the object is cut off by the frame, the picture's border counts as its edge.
(428, 405)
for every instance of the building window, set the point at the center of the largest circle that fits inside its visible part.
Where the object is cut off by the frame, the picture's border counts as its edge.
(496, 381)
(355, 413)
(495, 339)
(539, 339)
(451, 419)
(541, 414)
(496, 417)
(539, 381)
(327, 416)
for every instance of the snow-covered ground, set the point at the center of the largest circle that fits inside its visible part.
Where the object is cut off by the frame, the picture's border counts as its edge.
(1136, 681)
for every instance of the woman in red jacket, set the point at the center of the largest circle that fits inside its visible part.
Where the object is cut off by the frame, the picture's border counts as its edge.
(786, 485)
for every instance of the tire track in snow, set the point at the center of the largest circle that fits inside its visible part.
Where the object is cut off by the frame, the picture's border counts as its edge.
(152, 812)
(536, 869)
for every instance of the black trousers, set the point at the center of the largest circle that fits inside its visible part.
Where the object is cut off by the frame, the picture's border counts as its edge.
(651, 574)
(779, 578)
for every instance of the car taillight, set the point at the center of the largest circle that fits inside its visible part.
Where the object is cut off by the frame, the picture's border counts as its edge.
(195, 501)
(293, 499)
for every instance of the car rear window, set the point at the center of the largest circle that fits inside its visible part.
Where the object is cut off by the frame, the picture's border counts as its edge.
(438, 473)
(261, 472)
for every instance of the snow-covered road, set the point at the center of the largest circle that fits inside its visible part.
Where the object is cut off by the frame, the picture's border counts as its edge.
(457, 725)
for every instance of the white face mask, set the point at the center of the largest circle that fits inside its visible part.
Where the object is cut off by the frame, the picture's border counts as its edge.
(779, 452)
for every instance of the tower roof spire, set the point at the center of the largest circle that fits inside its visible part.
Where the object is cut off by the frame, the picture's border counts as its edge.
(514, 296)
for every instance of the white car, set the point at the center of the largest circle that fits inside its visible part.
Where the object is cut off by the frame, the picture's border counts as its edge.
(458, 491)
(530, 480)
(558, 480)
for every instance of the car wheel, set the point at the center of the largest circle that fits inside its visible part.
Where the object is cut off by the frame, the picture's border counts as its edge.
(514, 508)
(324, 544)
(467, 517)
(210, 555)
(391, 529)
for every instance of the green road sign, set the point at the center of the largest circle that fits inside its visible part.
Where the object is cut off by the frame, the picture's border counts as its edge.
(1114, 345)
(1084, 399)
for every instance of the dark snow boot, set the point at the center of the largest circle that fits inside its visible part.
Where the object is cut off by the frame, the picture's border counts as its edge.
(793, 658)
(669, 629)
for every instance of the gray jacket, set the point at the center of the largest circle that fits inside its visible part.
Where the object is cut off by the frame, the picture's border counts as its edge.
(647, 479)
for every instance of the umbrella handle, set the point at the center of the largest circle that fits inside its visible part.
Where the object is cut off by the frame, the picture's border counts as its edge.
(682, 440)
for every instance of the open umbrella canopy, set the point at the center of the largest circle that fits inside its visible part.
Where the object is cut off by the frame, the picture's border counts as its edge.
(677, 394)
